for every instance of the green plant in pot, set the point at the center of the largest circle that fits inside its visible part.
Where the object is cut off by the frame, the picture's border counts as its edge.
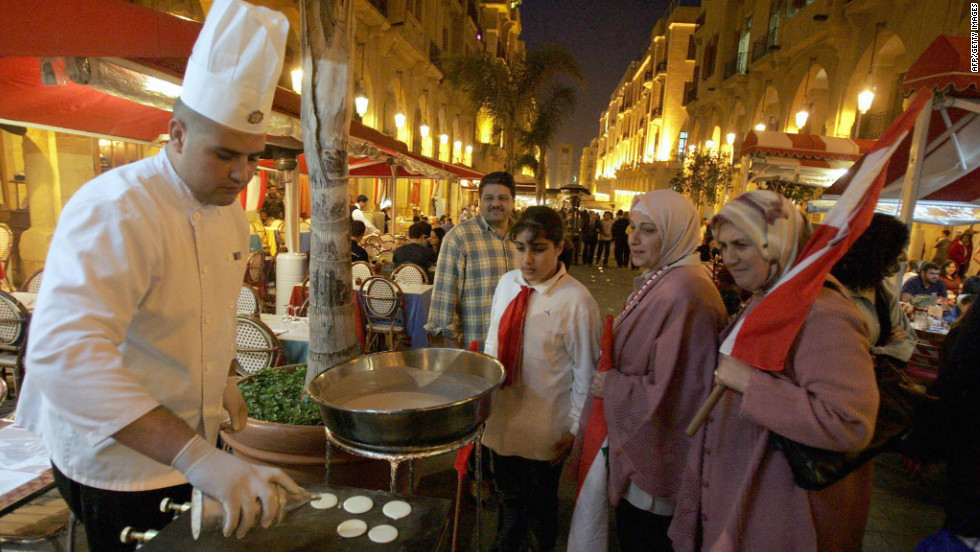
(285, 430)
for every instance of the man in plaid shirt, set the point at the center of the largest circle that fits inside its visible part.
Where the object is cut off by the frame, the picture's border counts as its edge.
(473, 257)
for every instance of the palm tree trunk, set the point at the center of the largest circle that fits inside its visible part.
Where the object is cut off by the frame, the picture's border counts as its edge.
(541, 176)
(326, 112)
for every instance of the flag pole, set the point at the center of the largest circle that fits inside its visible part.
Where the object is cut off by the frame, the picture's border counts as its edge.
(706, 407)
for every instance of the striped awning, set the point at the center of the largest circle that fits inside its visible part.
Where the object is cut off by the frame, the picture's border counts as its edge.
(800, 158)
(804, 146)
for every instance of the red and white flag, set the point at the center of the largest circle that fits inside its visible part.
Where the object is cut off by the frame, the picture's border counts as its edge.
(590, 520)
(763, 337)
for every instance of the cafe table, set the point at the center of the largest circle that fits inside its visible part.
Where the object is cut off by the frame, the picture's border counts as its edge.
(418, 299)
(294, 333)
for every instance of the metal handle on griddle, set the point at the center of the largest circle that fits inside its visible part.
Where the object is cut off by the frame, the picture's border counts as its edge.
(128, 535)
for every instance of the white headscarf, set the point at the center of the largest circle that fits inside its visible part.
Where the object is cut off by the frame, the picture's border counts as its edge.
(677, 221)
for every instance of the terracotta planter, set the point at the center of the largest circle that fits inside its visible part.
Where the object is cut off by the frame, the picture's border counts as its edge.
(300, 451)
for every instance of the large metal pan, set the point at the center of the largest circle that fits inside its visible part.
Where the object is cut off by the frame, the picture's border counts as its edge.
(398, 401)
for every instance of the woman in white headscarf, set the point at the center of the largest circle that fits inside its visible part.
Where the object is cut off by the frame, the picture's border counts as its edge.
(665, 348)
(738, 491)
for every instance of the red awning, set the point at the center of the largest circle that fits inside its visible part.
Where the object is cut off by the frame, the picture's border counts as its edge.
(93, 28)
(73, 106)
(945, 66)
(804, 146)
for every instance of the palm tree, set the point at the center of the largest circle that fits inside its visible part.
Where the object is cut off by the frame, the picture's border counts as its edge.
(557, 104)
(515, 96)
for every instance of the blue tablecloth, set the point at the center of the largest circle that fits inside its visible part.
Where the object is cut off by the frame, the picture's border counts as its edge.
(417, 301)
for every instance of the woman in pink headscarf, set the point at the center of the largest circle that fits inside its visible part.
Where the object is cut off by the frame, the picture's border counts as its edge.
(738, 491)
(665, 349)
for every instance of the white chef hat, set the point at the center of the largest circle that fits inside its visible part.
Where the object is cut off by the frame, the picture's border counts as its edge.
(232, 73)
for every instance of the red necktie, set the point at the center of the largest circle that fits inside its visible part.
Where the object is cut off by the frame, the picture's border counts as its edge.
(510, 336)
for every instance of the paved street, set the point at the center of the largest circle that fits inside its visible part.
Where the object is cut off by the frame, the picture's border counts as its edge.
(903, 509)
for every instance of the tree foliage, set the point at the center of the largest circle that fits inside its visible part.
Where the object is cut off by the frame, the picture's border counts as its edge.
(525, 97)
(800, 194)
(704, 178)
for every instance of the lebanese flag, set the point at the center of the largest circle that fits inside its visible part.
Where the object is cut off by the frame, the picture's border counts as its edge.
(590, 520)
(763, 337)
(253, 196)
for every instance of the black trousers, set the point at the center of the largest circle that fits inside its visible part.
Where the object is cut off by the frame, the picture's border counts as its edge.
(106, 513)
(528, 502)
(622, 252)
(588, 252)
(641, 531)
(604, 247)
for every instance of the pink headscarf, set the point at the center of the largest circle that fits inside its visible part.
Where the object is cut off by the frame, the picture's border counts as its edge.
(772, 223)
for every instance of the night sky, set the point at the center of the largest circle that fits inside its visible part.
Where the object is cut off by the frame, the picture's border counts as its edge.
(604, 36)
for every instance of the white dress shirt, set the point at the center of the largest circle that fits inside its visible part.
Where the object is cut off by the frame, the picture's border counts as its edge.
(358, 214)
(137, 309)
(562, 333)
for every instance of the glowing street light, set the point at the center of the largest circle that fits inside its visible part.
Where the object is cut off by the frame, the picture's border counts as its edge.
(424, 131)
(399, 121)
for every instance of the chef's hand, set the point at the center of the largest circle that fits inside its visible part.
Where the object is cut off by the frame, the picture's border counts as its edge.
(233, 402)
(733, 373)
(244, 490)
(562, 449)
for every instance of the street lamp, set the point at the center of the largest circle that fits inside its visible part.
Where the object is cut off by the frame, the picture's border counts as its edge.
(399, 120)
(867, 96)
(360, 96)
(424, 131)
(803, 114)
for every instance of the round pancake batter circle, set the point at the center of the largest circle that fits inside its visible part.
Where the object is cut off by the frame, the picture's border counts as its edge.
(351, 528)
(358, 504)
(383, 534)
(397, 509)
(325, 501)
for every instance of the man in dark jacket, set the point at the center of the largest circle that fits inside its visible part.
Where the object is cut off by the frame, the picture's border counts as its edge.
(621, 239)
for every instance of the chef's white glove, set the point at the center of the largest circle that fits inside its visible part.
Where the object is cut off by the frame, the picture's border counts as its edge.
(244, 490)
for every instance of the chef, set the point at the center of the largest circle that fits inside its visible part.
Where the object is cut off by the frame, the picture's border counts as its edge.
(132, 341)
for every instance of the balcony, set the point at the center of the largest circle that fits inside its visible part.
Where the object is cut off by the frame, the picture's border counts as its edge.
(648, 76)
(662, 68)
(380, 5)
(763, 46)
(435, 55)
(658, 112)
(690, 93)
(737, 66)
(692, 48)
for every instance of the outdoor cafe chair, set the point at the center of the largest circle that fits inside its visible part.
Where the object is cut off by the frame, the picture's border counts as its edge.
(6, 248)
(387, 246)
(33, 282)
(371, 240)
(248, 301)
(256, 346)
(382, 307)
(409, 274)
(14, 320)
(387, 238)
(372, 250)
(361, 271)
(387, 256)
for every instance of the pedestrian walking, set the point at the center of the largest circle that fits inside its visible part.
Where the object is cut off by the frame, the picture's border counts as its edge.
(605, 239)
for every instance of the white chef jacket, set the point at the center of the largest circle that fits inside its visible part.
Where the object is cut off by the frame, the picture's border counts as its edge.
(137, 309)
(358, 214)
(562, 333)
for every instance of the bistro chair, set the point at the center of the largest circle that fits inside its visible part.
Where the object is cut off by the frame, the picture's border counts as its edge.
(387, 238)
(387, 246)
(372, 240)
(400, 241)
(304, 225)
(383, 311)
(33, 282)
(372, 250)
(6, 248)
(387, 256)
(256, 346)
(248, 301)
(409, 274)
(360, 271)
(14, 320)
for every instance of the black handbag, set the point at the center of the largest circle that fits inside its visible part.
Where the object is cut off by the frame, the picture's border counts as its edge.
(814, 468)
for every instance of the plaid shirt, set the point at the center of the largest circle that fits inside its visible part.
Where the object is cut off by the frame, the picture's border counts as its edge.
(471, 261)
